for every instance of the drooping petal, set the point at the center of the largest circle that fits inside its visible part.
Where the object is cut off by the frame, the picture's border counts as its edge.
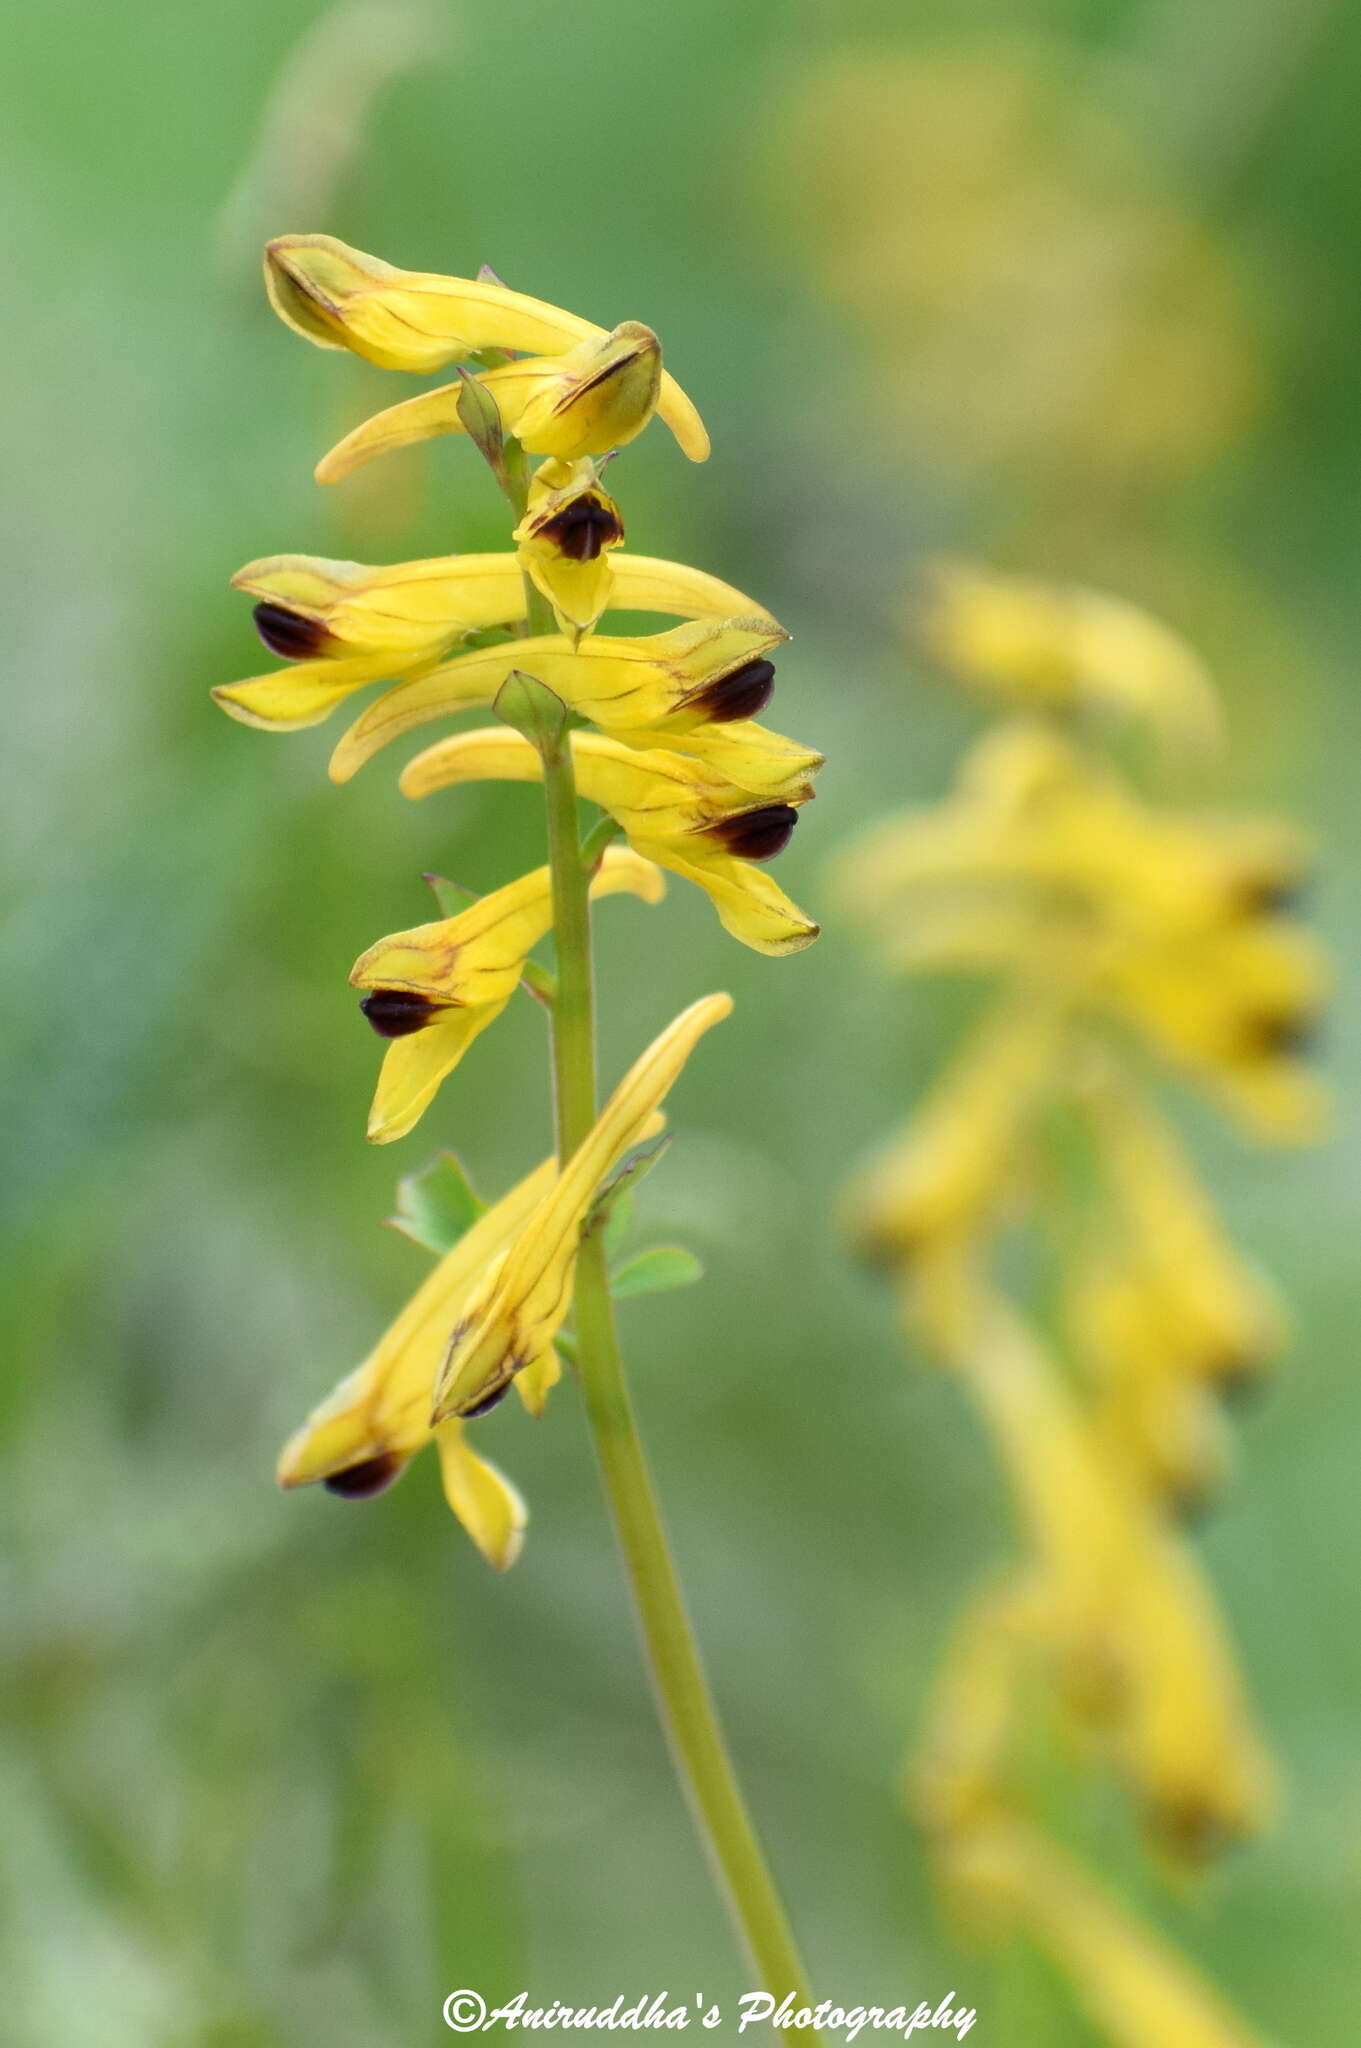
(491, 1510)
(302, 695)
(570, 526)
(538, 1380)
(416, 320)
(518, 1314)
(413, 1068)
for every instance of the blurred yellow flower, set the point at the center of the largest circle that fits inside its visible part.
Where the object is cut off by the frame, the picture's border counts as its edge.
(1135, 1988)
(1055, 647)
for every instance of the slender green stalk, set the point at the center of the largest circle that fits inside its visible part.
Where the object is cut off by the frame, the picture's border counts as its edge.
(683, 1698)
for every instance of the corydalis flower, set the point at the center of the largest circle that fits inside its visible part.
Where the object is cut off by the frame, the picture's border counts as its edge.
(571, 523)
(674, 810)
(347, 624)
(414, 320)
(435, 989)
(520, 1304)
(363, 1436)
(598, 397)
(1058, 647)
(646, 690)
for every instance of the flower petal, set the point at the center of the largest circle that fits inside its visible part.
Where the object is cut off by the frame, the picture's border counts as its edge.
(302, 695)
(519, 1312)
(489, 1507)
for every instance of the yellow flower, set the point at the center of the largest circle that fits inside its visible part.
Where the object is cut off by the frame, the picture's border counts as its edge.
(1058, 647)
(346, 624)
(961, 1156)
(1156, 1415)
(436, 988)
(598, 397)
(662, 685)
(414, 320)
(364, 1434)
(1141, 1649)
(519, 1306)
(1186, 1739)
(959, 1775)
(1217, 1314)
(1078, 845)
(1135, 1988)
(570, 525)
(674, 813)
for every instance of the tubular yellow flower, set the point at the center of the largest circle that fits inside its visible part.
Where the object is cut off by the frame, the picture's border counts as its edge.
(1058, 647)
(960, 1156)
(364, 1434)
(663, 684)
(958, 1778)
(1155, 1412)
(598, 397)
(674, 813)
(518, 1309)
(436, 988)
(1221, 1316)
(414, 320)
(346, 624)
(570, 525)
(1136, 1989)
(1187, 1741)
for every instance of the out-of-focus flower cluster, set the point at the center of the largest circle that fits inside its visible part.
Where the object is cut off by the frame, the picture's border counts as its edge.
(975, 194)
(662, 734)
(1053, 1246)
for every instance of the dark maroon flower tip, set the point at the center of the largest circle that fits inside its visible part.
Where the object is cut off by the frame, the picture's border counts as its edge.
(758, 834)
(739, 694)
(289, 634)
(583, 529)
(397, 1012)
(363, 1481)
(488, 1402)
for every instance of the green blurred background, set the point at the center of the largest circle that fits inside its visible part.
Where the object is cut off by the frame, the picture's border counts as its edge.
(1072, 286)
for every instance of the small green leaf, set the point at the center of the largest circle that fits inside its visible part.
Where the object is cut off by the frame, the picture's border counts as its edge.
(658, 1271)
(436, 1206)
(638, 1161)
(450, 896)
(477, 410)
(531, 708)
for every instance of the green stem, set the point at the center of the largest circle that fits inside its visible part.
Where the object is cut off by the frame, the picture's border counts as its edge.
(682, 1691)
(681, 1688)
